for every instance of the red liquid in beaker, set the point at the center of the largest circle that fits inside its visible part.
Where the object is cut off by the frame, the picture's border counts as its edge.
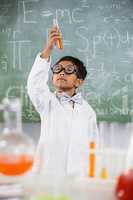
(15, 165)
(124, 188)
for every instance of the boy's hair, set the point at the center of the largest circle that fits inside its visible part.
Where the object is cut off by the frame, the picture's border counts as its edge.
(82, 72)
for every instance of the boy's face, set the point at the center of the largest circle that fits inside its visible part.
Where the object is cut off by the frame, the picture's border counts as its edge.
(64, 81)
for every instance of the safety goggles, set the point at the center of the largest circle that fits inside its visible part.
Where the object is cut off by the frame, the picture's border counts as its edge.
(69, 69)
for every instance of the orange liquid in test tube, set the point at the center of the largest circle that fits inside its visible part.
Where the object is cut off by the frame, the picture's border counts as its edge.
(15, 164)
(92, 158)
(59, 41)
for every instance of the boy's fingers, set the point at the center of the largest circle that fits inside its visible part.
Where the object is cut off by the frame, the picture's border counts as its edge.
(54, 39)
(54, 34)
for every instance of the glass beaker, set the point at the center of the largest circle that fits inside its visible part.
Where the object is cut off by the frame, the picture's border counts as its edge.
(16, 148)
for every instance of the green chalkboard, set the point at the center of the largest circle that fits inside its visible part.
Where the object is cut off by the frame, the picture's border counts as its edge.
(99, 32)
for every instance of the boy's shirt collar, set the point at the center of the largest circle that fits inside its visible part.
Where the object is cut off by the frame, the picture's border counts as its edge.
(65, 98)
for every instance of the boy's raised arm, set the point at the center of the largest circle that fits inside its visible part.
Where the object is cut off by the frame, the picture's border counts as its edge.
(37, 87)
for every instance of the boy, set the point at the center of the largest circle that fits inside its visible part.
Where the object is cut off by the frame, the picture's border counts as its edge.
(67, 120)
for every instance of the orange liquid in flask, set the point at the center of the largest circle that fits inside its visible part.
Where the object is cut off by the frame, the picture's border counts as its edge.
(15, 165)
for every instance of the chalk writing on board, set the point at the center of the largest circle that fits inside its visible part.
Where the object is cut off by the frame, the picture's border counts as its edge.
(62, 14)
(4, 10)
(113, 5)
(128, 78)
(122, 108)
(116, 76)
(16, 53)
(76, 15)
(27, 13)
(113, 19)
(111, 38)
(16, 46)
(67, 42)
(4, 63)
(46, 13)
(6, 30)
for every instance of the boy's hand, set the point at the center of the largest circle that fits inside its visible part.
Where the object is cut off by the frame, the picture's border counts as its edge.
(53, 37)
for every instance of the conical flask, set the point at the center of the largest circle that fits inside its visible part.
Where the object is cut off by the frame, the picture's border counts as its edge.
(124, 187)
(16, 148)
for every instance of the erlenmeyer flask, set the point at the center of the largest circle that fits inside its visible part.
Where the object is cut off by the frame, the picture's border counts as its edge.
(124, 187)
(16, 148)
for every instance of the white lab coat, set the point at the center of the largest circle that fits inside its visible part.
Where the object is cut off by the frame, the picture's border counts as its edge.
(65, 132)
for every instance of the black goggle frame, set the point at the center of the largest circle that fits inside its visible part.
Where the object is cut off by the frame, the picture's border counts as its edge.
(69, 69)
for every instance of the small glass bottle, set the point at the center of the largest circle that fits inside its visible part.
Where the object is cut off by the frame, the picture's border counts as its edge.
(16, 148)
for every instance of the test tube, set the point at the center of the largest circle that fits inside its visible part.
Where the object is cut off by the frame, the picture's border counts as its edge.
(92, 159)
(103, 167)
(129, 160)
(93, 147)
(59, 41)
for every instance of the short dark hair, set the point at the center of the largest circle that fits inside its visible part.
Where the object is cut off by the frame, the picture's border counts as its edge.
(82, 72)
